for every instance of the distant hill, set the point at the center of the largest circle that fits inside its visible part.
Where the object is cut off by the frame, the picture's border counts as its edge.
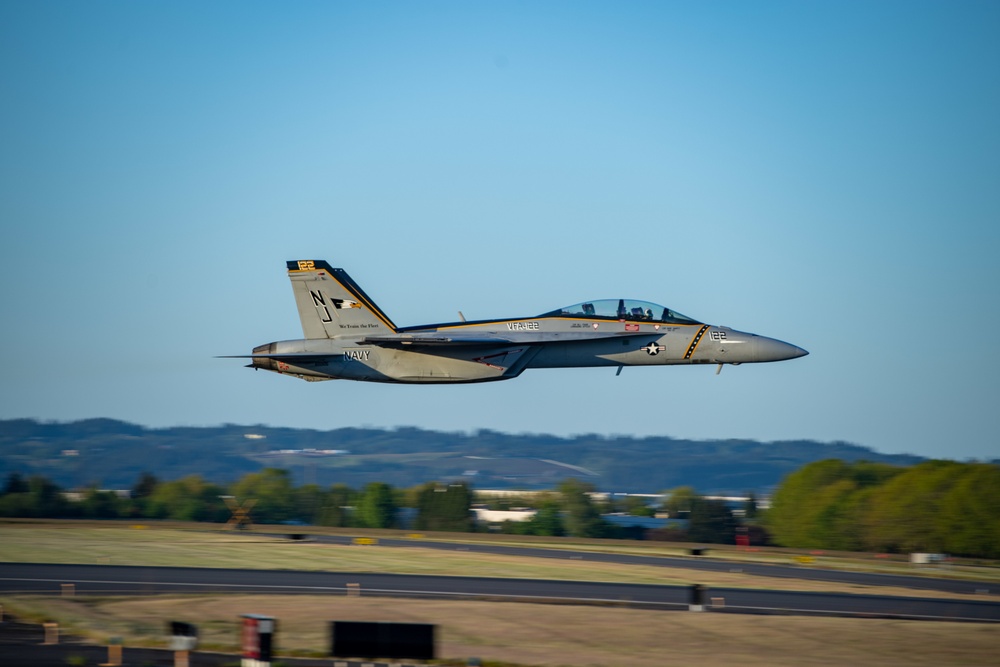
(112, 454)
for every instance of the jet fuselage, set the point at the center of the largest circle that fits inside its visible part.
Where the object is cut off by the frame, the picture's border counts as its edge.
(348, 337)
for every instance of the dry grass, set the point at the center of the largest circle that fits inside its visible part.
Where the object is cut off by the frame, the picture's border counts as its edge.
(531, 634)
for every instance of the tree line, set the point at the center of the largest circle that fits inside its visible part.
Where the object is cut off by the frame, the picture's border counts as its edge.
(192, 498)
(569, 510)
(935, 506)
(275, 500)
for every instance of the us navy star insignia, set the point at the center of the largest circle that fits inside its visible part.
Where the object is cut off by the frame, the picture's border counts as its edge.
(653, 349)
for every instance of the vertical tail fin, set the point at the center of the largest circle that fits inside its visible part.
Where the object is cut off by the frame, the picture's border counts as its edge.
(331, 304)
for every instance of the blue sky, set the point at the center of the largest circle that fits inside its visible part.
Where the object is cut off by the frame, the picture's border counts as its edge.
(822, 173)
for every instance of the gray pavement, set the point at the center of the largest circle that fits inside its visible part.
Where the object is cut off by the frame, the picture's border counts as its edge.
(126, 580)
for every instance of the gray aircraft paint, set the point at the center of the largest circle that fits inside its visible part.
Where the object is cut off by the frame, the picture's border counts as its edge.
(348, 337)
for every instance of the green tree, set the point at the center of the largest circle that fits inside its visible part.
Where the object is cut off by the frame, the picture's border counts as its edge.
(968, 514)
(15, 484)
(46, 497)
(821, 505)
(36, 497)
(145, 485)
(636, 506)
(190, 498)
(677, 502)
(308, 502)
(444, 507)
(142, 491)
(509, 527)
(377, 507)
(905, 510)
(338, 506)
(711, 521)
(547, 521)
(937, 506)
(17, 505)
(582, 518)
(272, 489)
(99, 504)
(750, 507)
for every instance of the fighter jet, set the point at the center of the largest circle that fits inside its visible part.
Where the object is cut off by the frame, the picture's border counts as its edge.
(348, 337)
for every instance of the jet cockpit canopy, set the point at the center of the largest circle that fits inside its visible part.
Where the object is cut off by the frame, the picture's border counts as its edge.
(622, 309)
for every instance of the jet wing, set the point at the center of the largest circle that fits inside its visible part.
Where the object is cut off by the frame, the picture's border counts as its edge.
(437, 339)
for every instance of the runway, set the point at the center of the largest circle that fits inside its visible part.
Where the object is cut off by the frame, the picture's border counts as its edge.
(26, 578)
(698, 563)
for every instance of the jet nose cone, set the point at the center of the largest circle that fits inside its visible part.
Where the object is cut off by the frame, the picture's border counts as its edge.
(770, 349)
(794, 351)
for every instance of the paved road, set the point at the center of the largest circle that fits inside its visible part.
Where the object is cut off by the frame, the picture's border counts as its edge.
(112, 579)
(698, 563)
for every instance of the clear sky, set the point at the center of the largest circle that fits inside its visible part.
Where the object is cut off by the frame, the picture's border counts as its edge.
(823, 173)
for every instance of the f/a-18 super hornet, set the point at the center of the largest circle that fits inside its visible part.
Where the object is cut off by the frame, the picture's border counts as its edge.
(348, 337)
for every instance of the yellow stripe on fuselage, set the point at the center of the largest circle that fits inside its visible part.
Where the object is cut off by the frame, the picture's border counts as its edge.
(694, 341)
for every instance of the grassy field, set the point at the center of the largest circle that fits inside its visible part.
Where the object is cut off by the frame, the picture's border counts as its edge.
(154, 545)
(514, 633)
(547, 635)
